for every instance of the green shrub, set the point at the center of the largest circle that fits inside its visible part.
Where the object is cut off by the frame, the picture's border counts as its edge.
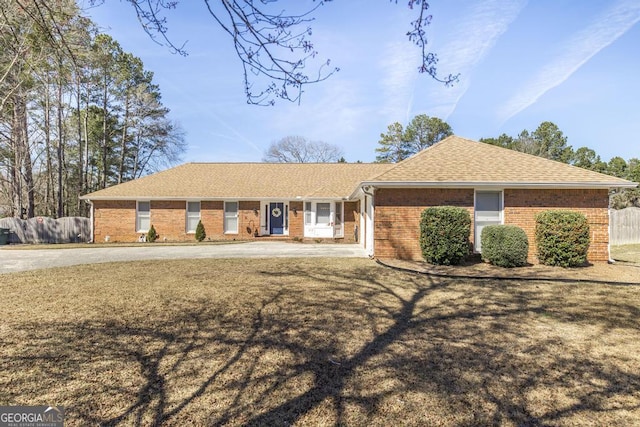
(504, 245)
(562, 238)
(444, 234)
(200, 233)
(152, 236)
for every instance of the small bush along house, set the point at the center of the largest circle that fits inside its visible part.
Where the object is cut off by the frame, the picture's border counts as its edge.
(376, 205)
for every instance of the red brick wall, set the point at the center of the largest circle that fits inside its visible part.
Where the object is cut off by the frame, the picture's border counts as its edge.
(522, 206)
(212, 217)
(296, 220)
(397, 216)
(169, 220)
(249, 220)
(351, 219)
(117, 219)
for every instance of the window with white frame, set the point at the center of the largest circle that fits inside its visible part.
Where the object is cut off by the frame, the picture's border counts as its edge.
(338, 220)
(323, 213)
(193, 216)
(231, 217)
(488, 211)
(307, 213)
(143, 216)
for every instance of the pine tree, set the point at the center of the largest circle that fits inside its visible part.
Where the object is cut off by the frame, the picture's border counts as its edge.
(152, 236)
(393, 145)
(200, 233)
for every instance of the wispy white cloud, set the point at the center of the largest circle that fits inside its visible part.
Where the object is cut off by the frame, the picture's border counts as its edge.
(582, 46)
(333, 115)
(399, 70)
(468, 42)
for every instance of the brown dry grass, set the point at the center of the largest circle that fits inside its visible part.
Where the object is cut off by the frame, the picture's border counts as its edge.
(316, 342)
(622, 271)
(626, 253)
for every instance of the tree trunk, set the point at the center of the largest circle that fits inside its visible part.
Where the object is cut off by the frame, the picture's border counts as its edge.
(59, 152)
(105, 148)
(79, 186)
(21, 170)
(15, 187)
(49, 202)
(85, 126)
(123, 145)
(28, 168)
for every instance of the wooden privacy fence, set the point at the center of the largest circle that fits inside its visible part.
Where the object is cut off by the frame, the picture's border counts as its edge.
(48, 230)
(625, 226)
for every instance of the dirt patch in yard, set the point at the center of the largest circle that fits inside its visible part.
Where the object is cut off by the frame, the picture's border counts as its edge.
(316, 342)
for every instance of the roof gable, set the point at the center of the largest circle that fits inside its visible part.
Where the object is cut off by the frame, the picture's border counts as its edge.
(466, 162)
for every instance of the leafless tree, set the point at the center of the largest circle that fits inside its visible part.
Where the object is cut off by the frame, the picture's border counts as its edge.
(297, 149)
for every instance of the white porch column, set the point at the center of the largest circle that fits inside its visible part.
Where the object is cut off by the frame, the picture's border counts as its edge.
(362, 225)
(369, 215)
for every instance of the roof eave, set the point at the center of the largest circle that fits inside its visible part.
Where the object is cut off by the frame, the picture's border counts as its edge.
(499, 184)
(209, 198)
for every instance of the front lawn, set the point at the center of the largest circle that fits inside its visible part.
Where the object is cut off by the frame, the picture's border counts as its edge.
(626, 253)
(316, 342)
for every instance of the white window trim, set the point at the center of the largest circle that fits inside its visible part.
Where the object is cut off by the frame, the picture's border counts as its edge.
(476, 237)
(339, 213)
(224, 216)
(186, 222)
(331, 214)
(312, 227)
(138, 229)
(309, 212)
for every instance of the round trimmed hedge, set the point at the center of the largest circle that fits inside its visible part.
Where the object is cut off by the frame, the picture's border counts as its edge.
(504, 245)
(444, 234)
(562, 238)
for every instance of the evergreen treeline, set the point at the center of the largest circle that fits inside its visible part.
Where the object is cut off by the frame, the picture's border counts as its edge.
(77, 113)
(548, 141)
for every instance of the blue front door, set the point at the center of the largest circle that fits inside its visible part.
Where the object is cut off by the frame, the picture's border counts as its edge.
(276, 220)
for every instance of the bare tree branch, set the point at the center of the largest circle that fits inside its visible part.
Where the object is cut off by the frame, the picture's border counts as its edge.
(418, 36)
(275, 47)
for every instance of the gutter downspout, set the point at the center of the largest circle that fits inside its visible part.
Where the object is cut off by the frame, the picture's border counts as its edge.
(611, 260)
(91, 240)
(369, 236)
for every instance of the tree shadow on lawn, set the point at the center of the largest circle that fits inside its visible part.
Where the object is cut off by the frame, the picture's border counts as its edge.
(370, 346)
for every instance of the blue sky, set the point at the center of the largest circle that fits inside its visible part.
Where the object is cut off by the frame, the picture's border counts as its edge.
(575, 63)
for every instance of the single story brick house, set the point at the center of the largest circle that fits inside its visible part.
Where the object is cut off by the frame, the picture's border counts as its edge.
(377, 205)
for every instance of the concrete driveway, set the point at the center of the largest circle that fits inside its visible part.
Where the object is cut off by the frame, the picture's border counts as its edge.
(24, 260)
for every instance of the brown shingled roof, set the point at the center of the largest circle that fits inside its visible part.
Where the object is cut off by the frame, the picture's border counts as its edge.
(454, 161)
(246, 181)
(462, 161)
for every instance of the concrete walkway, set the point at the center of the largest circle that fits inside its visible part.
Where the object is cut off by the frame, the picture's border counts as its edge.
(24, 260)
